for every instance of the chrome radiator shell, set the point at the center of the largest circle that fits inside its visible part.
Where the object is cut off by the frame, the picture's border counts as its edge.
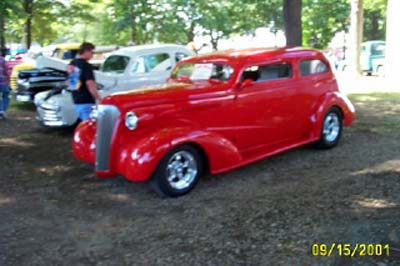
(106, 120)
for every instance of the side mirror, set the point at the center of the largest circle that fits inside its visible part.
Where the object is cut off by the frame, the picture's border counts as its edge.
(246, 83)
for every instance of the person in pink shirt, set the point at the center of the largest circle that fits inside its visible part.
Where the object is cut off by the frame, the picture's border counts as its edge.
(4, 85)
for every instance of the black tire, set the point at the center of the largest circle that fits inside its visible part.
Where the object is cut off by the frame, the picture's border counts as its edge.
(331, 129)
(170, 166)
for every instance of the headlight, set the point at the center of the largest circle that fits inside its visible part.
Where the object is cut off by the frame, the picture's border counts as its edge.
(94, 113)
(131, 120)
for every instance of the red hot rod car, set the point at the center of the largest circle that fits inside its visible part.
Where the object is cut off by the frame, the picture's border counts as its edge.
(217, 112)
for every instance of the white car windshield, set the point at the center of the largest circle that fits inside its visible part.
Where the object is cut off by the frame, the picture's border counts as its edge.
(115, 63)
(203, 71)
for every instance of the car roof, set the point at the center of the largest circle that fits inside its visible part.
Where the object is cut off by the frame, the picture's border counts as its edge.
(68, 46)
(256, 54)
(139, 49)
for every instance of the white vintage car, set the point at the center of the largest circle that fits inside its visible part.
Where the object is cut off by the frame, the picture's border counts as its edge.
(125, 69)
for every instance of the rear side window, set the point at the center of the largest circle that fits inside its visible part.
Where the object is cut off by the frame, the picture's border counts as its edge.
(154, 62)
(179, 56)
(268, 72)
(115, 63)
(310, 67)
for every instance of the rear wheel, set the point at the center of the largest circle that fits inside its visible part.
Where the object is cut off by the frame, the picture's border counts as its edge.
(331, 129)
(178, 172)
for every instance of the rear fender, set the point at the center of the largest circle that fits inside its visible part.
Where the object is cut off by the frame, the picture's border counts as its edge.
(324, 103)
(138, 159)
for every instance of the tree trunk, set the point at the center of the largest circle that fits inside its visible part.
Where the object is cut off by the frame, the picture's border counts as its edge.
(374, 26)
(28, 7)
(292, 20)
(392, 41)
(2, 31)
(355, 36)
(214, 43)
(190, 34)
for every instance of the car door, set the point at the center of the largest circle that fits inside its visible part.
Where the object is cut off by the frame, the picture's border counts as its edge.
(315, 79)
(266, 108)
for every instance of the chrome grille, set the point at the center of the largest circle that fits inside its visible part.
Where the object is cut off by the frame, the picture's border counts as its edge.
(48, 113)
(13, 83)
(106, 120)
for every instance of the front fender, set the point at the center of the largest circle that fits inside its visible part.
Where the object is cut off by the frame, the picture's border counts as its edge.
(138, 158)
(324, 103)
(67, 113)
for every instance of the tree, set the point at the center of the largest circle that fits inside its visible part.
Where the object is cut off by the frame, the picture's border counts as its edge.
(217, 21)
(28, 8)
(292, 21)
(355, 36)
(322, 20)
(7, 7)
(374, 19)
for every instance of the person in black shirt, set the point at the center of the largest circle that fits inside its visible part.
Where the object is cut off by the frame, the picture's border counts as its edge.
(82, 82)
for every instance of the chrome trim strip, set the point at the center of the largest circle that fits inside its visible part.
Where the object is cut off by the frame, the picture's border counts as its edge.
(106, 120)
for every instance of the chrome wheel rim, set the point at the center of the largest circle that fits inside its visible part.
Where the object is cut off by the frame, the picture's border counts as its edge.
(331, 127)
(181, 170)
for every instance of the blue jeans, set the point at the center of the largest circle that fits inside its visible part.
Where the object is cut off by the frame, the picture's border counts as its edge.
(4, 100)
(84, 110)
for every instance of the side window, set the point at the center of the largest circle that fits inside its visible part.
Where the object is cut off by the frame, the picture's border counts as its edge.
(268, 72)
(179, 56)
(310, 67)
(252, 73)
(154, 62)
(275, 71)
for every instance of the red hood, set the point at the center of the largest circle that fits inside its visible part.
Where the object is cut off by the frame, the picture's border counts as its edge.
(166, 93)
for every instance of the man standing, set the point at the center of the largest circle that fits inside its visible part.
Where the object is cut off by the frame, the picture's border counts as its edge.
(81, 81)
(4, 87)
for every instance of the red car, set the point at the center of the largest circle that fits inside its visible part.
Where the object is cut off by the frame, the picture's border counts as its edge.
(216, 113)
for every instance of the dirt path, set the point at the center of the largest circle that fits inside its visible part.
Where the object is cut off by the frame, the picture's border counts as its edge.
(55, 212)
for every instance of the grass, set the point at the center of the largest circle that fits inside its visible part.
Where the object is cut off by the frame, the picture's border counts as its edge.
(22, 106)
(377, 112)
(381, 97)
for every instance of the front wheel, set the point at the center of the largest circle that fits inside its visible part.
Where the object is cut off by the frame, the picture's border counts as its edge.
(178, 171)
(331, 129)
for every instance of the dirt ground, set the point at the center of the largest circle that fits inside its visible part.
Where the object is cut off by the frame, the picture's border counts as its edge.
(53, 211)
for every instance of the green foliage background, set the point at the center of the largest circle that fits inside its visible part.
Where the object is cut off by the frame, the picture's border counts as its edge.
(174, 21)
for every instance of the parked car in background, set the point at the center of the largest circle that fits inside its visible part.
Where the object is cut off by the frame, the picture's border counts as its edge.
(372, 58)
(66, 51)
(50, 73)
(125, 69)
(217, 112)
(14, 60)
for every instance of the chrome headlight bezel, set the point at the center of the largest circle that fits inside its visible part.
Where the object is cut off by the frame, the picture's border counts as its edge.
(131, 120)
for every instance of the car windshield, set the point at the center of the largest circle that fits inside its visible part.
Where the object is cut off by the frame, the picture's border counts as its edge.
(67, 55)
(115, 63)
(202, 71)
(70, 54)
